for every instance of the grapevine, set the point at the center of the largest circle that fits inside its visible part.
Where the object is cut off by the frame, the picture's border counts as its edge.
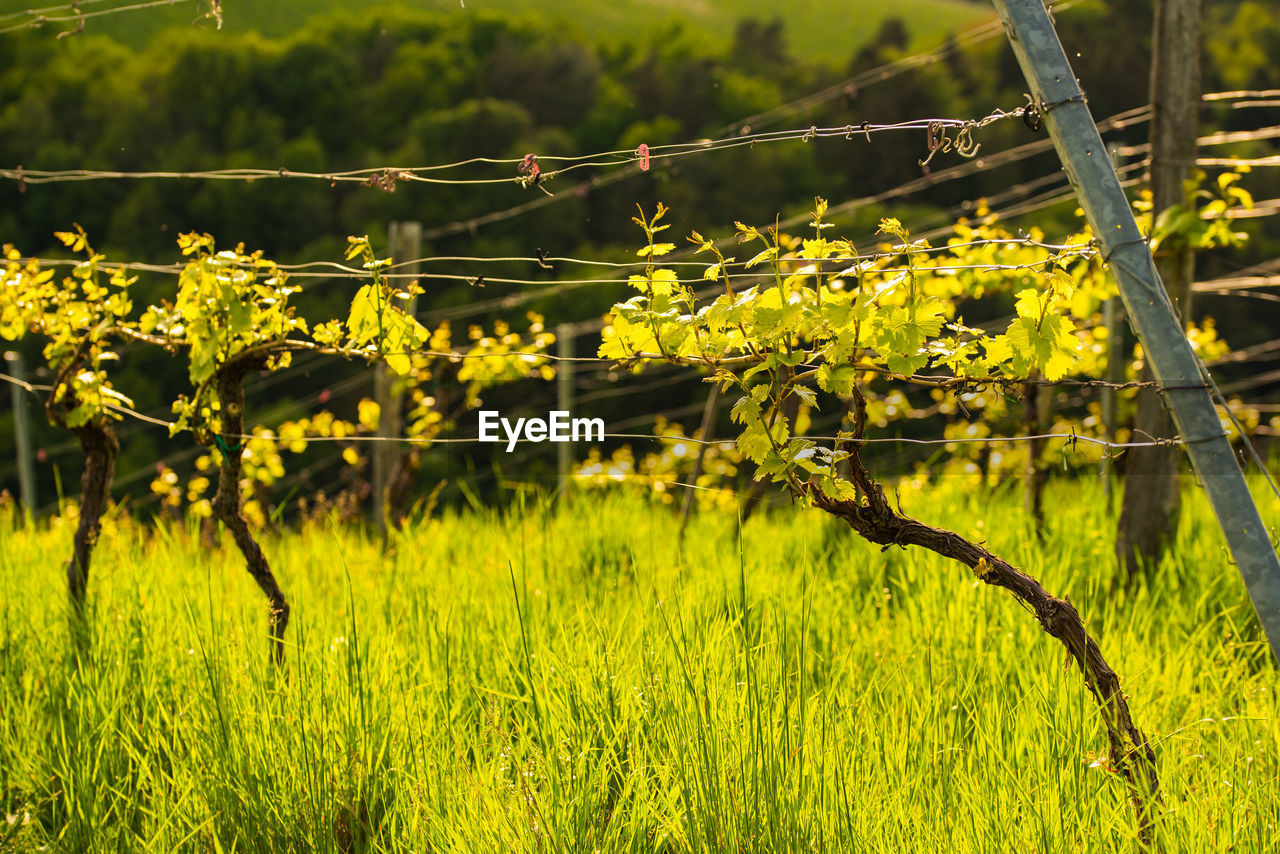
(80, 320)
(809, 321)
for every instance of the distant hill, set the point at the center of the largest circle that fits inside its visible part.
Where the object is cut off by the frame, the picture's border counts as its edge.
(828, 30)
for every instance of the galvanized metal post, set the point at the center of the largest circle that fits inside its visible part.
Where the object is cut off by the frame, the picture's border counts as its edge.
(1177, 370)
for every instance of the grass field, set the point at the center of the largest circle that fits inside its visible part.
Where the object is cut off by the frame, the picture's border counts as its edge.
(547, 681)
(823, 29)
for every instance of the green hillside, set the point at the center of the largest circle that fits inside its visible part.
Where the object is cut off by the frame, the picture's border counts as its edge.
(823, 29)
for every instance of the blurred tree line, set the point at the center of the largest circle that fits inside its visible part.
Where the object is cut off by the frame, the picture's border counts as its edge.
(396, 88)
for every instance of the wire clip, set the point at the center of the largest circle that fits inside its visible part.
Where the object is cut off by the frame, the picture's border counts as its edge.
(1031, 114)
(222, 446)
(530, 173)
(529, 169)
(386, 179)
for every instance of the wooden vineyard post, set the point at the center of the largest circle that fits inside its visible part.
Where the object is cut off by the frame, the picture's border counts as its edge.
(22, 435)
(564, 400)
(405, 245)
(1115, 375)
(704, 435)
(1149, 509)
(1181, 378)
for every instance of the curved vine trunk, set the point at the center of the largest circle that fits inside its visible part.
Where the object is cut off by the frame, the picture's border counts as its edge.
(100, 448)
(226, 503)
(874, 520)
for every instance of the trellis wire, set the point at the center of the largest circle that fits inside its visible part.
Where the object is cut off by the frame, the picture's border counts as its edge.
(63, 7)
(39, 19)
(1240, 431)
(411, 174)
(1119, 120)
(160, 422)
(472, 223)
(377, 176)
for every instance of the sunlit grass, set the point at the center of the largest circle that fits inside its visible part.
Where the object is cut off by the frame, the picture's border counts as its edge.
(543, 680)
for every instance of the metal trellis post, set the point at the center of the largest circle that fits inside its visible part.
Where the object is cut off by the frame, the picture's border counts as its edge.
(1058, 97)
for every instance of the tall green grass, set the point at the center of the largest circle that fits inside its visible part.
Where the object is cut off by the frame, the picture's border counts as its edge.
(575, 680)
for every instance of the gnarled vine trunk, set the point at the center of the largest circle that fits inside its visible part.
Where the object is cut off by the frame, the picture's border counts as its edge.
(226, 503)
(874, 520)
(100, 448)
